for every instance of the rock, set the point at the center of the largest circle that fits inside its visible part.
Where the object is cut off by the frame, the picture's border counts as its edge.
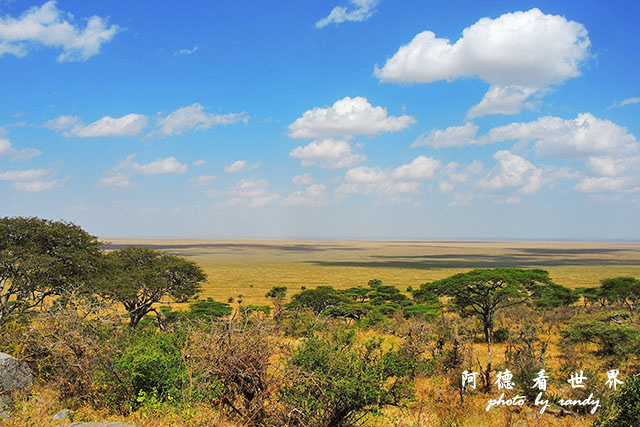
(61, 415)
(4, 415)
(16, 379)
(98, 424)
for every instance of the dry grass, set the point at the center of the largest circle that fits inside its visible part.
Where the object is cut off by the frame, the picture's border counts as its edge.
(251, 267)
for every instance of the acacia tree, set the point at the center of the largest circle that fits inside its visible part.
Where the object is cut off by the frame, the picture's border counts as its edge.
(485, 291)
(139, 277)
(622, 289)
(40, 258)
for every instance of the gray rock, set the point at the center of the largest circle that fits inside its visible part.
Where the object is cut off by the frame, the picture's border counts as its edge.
(16, 379)
(98, 424)
(61, 415)
(4, 415)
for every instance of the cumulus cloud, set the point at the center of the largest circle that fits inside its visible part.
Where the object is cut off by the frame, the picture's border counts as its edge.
(454, 174)
(513, 172)
(304, 179)
(195, 117)
(453, 136)
(240, 166)
(250, 192)
(420, 168)
(30, 180)
(313, 195)
(8, 150)
(131, 124)
(584, 136)
(120, 175)
(519, 54)
(393, 186)
(49, 26)
(347, 117)
(361, 10)
(327, 153)
(236, 167)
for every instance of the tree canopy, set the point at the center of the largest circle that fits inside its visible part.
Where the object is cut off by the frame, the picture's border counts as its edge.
(39, 258)
(140, 277)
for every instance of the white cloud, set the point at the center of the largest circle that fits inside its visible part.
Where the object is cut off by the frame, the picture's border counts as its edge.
(373, 180)
(23, 175)
(250, 192)
(199, 163)
(347, 117)
(453, 136)
(160, 166)
(452, 175)
(584, 136)
(504, 100)
(304, 179)
(195, 117)
(34, 186)
(327, 153)
(7, 149)
(513, 172)
(420, 168)
(187, 51)
(604, 184)
(240, 166)
(131, 124)
(202, 179)
(313, 195)
(518, 54)
(28, 180)
(624, 102)
(49, 26)
(365, 175)
(361, 11)
(120, 175)
(116, 180)
(236, 167)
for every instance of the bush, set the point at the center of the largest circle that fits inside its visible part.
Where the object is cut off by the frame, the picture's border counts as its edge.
(500, 335)
(333, 382)
(624, 407)
(228, 364)
(148, 364)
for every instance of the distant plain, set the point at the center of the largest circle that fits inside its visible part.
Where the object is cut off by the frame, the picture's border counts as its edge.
(251, 267)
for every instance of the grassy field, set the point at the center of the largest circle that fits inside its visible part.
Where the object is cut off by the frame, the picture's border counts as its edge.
(251, 267)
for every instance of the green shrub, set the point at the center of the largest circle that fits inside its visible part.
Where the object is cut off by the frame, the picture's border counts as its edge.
(333, 382)
(500, 335)
(624, 406)
(148, 363)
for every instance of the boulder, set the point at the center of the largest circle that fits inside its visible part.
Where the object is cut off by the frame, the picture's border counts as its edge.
(16, 379)
(61, 415)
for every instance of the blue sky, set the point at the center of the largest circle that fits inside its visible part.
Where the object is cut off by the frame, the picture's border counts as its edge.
(323, 119)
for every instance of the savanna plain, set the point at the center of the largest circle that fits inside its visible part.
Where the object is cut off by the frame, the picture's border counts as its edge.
(526, 338)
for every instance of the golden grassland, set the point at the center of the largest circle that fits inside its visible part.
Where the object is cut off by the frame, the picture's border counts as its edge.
(251, 267)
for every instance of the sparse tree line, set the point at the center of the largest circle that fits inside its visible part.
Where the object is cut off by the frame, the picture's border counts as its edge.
(62, 298)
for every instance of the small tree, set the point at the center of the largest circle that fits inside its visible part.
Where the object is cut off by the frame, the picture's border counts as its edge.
(140, 277)
(278, 294)
(40, 258)
(483, 292)
(317, 300)
(622, 289)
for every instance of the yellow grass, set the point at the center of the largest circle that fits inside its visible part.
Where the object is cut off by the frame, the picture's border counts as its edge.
(251, 267)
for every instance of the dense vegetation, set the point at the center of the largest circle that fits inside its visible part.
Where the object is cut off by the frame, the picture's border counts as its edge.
(96, 327)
